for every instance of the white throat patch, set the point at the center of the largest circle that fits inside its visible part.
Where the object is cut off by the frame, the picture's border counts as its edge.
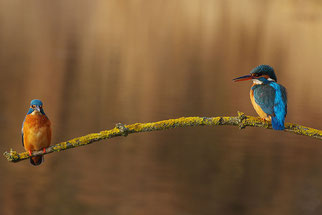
(36, 113)
(271, 79)
(256, 81)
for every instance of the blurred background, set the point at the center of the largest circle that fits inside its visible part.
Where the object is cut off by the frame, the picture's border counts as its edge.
(96, 63)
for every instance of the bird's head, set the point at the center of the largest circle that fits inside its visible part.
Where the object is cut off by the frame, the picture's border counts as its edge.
(36, 107)
(259, 75)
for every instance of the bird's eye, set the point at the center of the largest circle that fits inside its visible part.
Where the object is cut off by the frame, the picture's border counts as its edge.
(256, 74)
(33, 106)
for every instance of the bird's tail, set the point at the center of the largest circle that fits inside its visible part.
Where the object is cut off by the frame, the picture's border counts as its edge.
(277, 124)
(36, 160)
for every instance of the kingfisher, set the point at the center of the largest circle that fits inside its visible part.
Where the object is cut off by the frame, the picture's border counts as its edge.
(36, 131)
(268, 98)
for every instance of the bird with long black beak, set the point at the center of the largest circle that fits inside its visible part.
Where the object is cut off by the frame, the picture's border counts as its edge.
(268, 98)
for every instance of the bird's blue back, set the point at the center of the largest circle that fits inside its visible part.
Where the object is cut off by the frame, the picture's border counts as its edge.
(280, 106)
(272, 98)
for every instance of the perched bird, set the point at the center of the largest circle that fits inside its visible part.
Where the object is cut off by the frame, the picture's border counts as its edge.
(269, 98)
(36, 131)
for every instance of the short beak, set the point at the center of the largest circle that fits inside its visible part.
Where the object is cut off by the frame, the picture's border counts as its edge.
(243, 78)
(37, 109)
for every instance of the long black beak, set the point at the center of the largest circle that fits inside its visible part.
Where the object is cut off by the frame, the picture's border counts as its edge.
(243, 78)
(37, 109)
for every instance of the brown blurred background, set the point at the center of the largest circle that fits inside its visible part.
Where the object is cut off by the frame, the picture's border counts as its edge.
(95, 63)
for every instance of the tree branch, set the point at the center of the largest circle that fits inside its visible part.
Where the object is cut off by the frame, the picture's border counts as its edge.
(242, 121)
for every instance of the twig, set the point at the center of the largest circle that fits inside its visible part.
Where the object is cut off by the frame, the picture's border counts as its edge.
(242, 121)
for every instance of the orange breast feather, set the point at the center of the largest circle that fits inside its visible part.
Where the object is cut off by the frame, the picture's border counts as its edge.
(257, 108)
(36, 132)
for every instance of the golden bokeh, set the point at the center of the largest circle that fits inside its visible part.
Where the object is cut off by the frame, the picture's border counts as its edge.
(96, 63)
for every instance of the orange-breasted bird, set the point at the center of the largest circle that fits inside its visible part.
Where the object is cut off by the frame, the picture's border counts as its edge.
(36, 131)
(269, 98)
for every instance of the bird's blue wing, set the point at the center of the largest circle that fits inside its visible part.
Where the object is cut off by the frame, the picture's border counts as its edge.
(264, 96)
(280, 106)
(284, 97)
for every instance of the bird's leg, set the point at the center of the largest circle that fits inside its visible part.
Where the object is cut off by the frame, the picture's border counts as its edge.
(265, 120)
(29, 152)
(44, 150)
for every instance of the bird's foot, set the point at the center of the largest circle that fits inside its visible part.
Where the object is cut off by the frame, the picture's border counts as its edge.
(44, 150)
(264, 119)
(266, 122)
(29, 152)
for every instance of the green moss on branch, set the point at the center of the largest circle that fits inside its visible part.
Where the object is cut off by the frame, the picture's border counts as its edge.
(241, 121)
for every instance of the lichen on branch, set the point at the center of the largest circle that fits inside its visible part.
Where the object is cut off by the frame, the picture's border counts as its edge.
(242, 121)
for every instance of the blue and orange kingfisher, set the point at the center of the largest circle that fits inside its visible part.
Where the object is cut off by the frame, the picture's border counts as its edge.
(36, 131)
(269, 98)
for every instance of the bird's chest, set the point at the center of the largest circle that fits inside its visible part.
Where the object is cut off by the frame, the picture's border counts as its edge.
(36, 123)
(257, 107)
(36, 131)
